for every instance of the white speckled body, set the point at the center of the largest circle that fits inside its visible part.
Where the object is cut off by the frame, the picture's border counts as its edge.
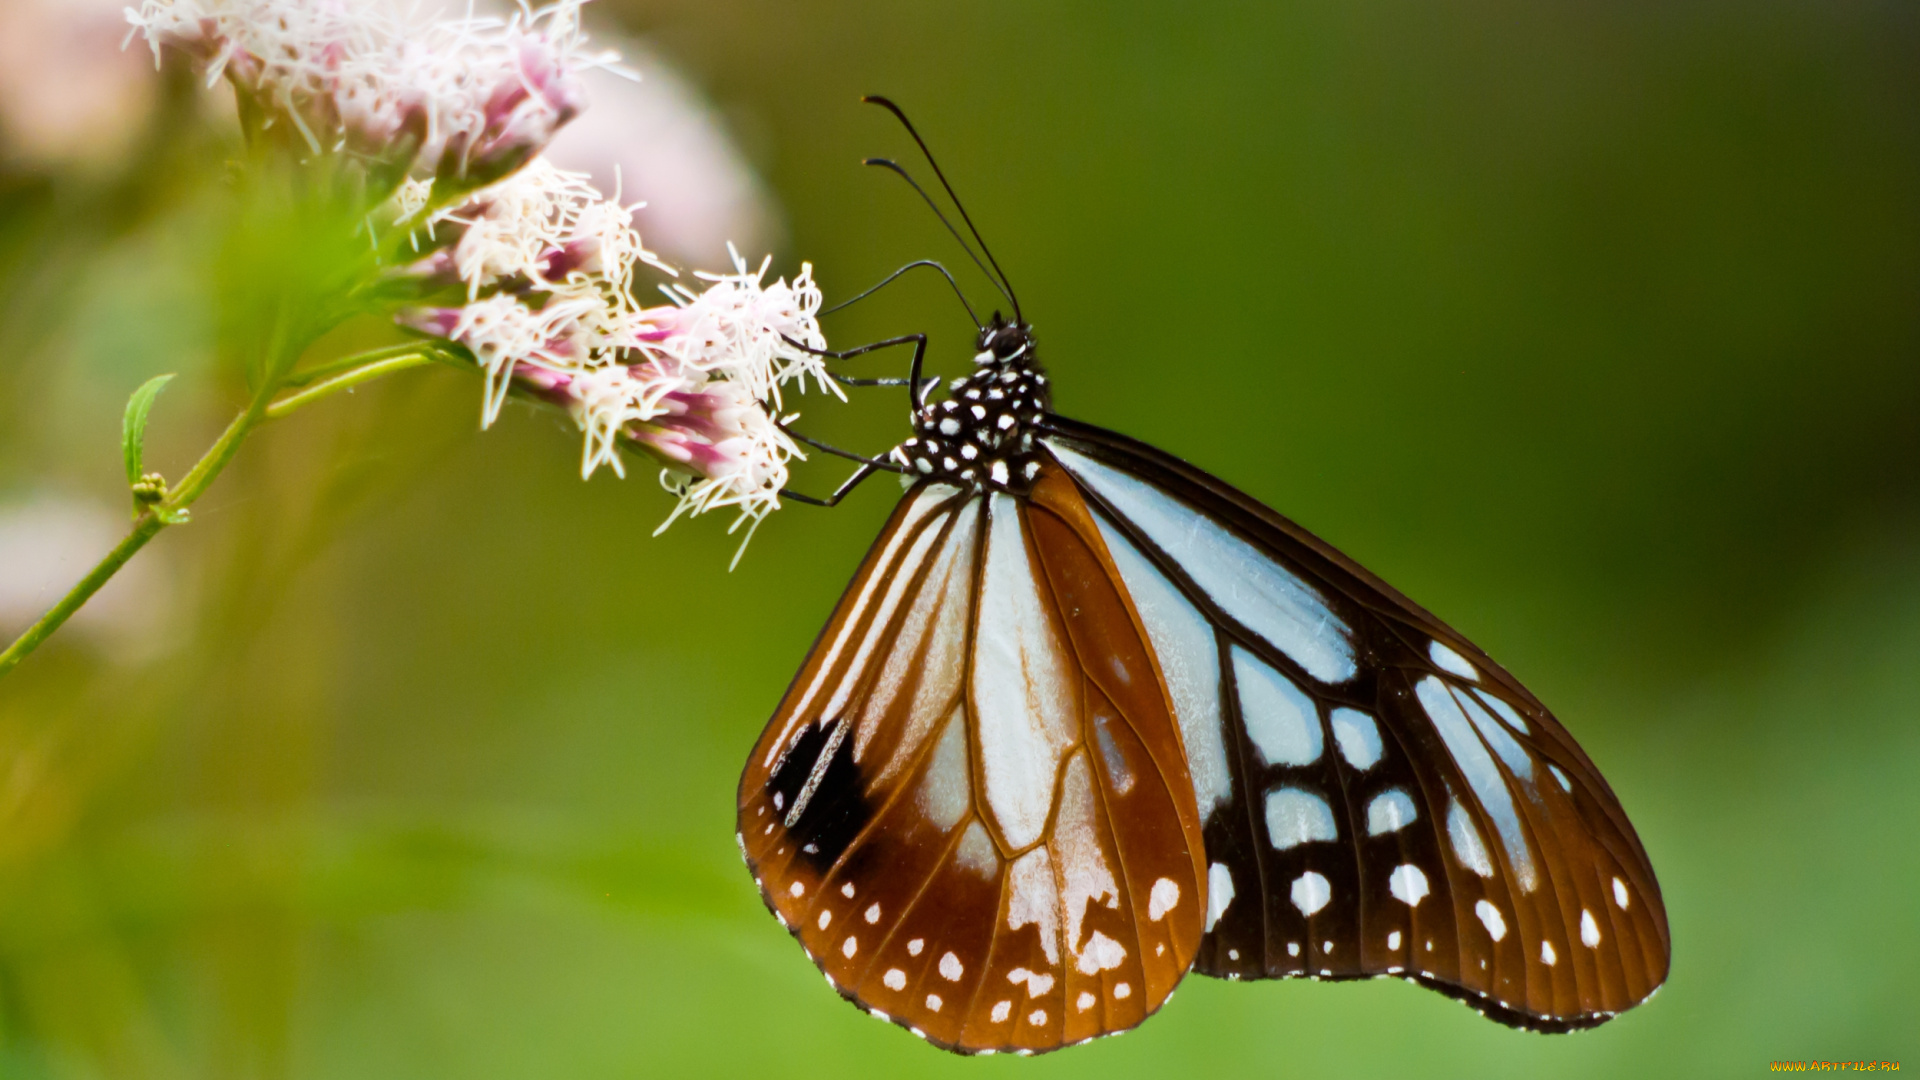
(982, 436)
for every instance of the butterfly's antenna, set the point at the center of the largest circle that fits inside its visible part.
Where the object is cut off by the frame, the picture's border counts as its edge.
(894, 166)
(888, 280)
(1005, 285)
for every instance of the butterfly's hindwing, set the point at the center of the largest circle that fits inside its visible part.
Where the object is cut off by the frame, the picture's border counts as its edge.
(1395, 803)
(973, 808)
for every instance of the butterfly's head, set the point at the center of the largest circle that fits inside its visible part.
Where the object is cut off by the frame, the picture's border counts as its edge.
(1002, 342)
(981, 436)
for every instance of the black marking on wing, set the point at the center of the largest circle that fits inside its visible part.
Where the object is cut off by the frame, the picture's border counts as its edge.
(837, 810)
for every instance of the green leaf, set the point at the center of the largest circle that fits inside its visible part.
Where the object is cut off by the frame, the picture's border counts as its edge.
(133, 430)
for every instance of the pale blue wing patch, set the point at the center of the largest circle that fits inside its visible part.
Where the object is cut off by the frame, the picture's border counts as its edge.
(1464, 835)
(1183, 642)
(1452, 662)
(1240, 579)
(1296, 816)
(1280, 718)
(1390, 811)
(1023, 692)
(1506, 711)
(1560, 778)
(1518, 760)
(1358, 738)
(1481, 773)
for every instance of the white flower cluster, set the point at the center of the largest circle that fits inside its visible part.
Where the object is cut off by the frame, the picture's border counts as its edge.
(548, 267)
(455, 116)
(470, 98)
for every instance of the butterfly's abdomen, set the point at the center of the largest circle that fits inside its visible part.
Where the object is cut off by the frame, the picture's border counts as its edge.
(981, 435)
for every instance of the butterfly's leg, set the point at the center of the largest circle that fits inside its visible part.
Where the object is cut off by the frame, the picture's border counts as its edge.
(868, 466)
(848, 454)
(917, 387)
(865, 470)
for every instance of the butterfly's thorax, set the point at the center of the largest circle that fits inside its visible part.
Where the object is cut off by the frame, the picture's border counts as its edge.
(982, 434)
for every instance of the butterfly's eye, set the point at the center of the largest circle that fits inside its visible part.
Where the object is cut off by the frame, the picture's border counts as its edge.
(1009, 341)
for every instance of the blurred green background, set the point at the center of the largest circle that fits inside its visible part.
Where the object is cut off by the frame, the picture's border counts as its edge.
(1595, 328)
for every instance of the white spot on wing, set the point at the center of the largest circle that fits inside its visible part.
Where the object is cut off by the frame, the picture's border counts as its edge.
(1244, 581)
(1620, 893)
(1470, 754)
(1311, 892)
(1490, 917)
(1183, 642)
(1001, 1009)
(1452, 662)
(1165, 894)
(1219, 893)
(1281, 720)
(1393, 941)
(1122, 991)
(1390, 811)
(1547, 955)
(951, 968)
(895, 979)
(914, 946)
(934, 1002)
(1358, 737)
(1037, 982)
(1101, 954)
(798, 889)
(1297, 817)
(847, 890)
(849, 947)
(1035, 900)
(1408, 884)
(1027, 701)
(1589, 930)
(1085, 1001)
(825, 918)
(1560, 778)
(873, 914)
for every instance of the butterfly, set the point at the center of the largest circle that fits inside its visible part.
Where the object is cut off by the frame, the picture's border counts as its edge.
(1088, 718)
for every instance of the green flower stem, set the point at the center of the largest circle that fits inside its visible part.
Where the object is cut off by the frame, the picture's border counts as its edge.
(201, 476)
(144, 530)
(309, 376)
(198, 478)
(349, 379)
